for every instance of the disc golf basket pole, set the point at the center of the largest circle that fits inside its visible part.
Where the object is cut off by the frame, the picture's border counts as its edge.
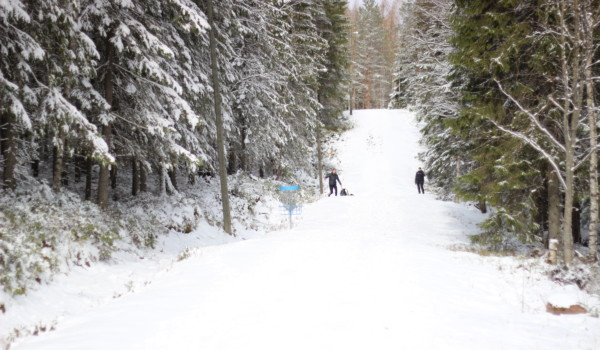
(289, 199)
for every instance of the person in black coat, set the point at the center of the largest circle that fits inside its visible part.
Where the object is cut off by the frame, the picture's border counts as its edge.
(420, 180)
(333, 180)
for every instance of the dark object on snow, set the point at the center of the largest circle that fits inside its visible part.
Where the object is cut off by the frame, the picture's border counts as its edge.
(333, 179)
(420, 180)
(345, 192)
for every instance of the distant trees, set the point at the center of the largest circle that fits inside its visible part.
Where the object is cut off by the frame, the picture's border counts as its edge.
(373, 45)
(116, 91)
(508, 90)
(421, 72)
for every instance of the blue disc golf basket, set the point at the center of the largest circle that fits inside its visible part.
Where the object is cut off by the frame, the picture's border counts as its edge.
(289, 199)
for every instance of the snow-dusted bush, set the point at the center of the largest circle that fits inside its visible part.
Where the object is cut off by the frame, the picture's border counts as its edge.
(43, 232)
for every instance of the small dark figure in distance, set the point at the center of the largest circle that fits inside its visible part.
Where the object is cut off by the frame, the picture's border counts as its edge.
(420, 180)
(333, 180)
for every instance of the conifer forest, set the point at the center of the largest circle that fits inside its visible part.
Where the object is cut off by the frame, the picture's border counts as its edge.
(112, 111)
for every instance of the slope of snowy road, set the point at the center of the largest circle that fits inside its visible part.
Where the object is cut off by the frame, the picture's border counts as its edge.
(371, 271)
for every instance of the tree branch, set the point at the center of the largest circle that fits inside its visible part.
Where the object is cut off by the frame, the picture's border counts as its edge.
(537, 147)
(533, 118)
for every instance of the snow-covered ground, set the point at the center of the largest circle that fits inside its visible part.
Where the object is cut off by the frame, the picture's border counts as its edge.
(369, 271)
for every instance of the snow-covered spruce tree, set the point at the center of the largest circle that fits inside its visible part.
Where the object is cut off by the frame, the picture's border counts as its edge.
(531, 55)
(137, 81)
(319, 42)
(332, 79)
(507, 174)
(261, 50)
(18, 51)
(56, 84)
(67, 99)
(300, 106)
(422, 72)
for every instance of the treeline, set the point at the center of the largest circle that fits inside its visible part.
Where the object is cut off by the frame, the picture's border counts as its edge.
(507, 92)
(373, 43)
(113, 91)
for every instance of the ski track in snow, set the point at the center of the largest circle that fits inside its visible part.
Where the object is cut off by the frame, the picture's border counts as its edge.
(370, 271)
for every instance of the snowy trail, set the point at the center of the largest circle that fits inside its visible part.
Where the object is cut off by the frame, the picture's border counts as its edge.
(372, 271)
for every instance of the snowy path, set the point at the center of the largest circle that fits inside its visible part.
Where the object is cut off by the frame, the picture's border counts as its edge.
(366, 272)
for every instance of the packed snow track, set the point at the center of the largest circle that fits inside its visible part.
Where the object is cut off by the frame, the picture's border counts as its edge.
(369, 271)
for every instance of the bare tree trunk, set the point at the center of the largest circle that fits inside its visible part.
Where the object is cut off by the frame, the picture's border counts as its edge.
(59, 161)
(3, 124)
(243, 156)
(232, 160)
(591, 110)
(482, 206)
(104, 177)
(173, 178)
(219, 122)
(576, 222)
(572, 85)
(553, 207)
(135, 177)
(143, 178)
(78, 166)
(89, 166)
(320, 158)
(192, 177)
(162, 188)
(114, 172)
(9, 151)
(65, 166)
(57, 165)
(35, 167)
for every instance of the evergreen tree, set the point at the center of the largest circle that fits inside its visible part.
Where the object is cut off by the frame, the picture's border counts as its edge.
(522, 78)
(136, 80)
(332, 79)
(371, 65)
(507, 172)
(421, 81)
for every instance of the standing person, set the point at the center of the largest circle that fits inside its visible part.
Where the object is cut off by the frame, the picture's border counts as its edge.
(420, 180)
(333, 180)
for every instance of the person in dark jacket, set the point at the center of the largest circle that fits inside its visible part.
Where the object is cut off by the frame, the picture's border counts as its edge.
(333, 180)
(420, 180)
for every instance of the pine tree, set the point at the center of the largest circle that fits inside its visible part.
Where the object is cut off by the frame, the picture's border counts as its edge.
(422, 73)
(371, 65)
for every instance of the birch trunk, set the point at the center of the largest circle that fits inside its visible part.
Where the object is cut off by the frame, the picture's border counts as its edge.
(571, 81)
(591, 109)
(553, 207)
